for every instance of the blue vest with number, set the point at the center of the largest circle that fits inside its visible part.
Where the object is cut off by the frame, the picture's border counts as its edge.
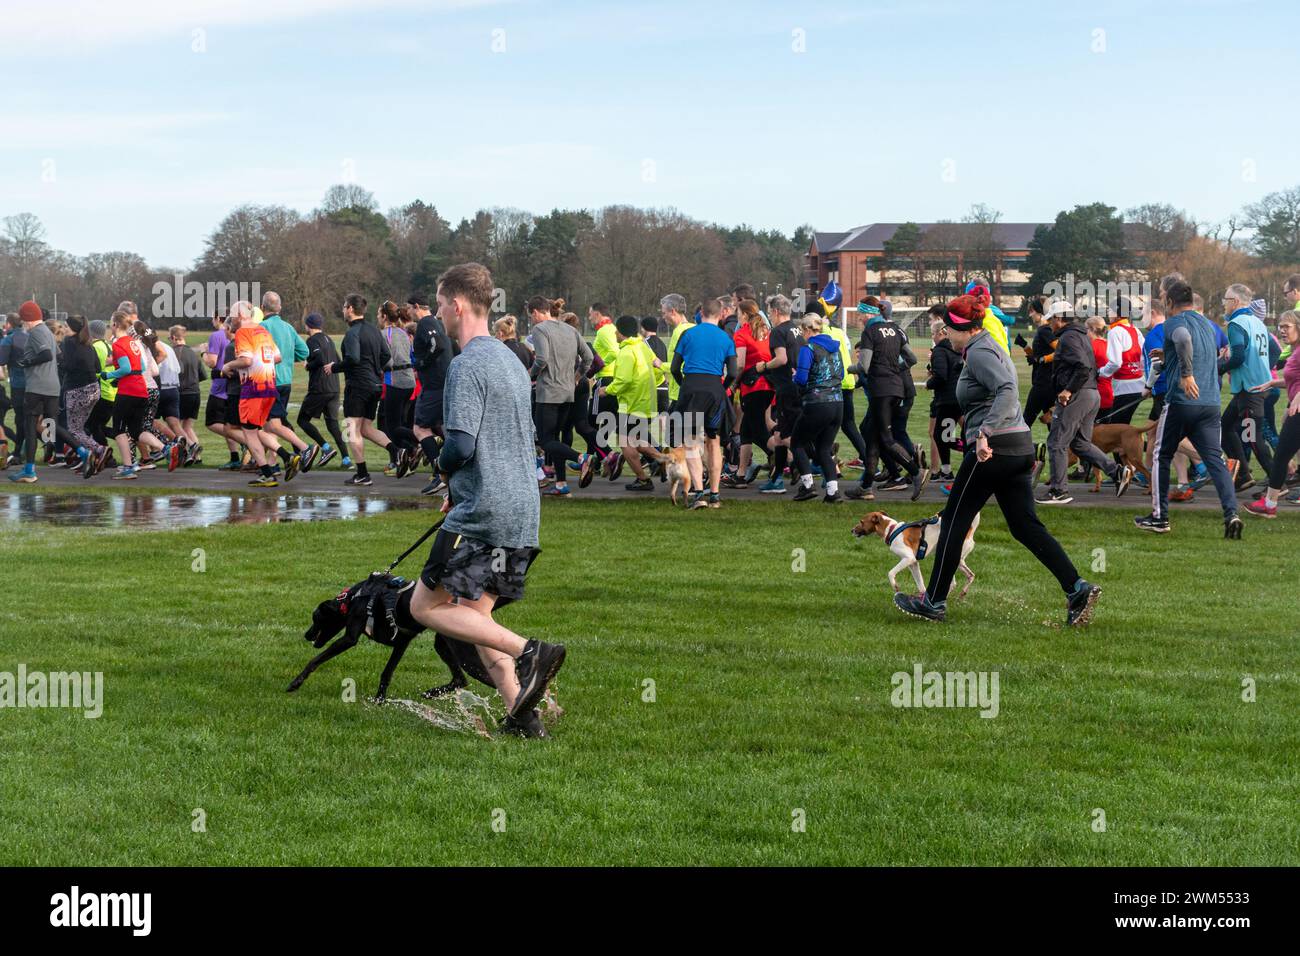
(1254, 372)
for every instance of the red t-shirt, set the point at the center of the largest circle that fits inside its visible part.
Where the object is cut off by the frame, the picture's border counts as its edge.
(1104, 386)
(756, 350)
(125, 346)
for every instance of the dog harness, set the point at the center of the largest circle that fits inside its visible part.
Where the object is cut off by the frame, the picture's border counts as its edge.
(922, 546)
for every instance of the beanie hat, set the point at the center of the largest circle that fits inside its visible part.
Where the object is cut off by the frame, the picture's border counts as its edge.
(1260, 309)
(76, 323)
(314, 321)
(29, 311)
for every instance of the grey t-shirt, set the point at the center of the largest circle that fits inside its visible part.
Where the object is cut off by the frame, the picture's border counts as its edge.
(43, 379)
(565, 352)
(494, 495)
(399, 345)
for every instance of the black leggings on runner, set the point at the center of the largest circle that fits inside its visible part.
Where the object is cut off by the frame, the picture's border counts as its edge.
(1039, 400)
(1288, 444)
(397, 401)
(550, 418)
(1245, 407)
(580, 419)
(1006, 477)
(947, 431)
(1121, 413)
(849, 425)
(878, 429)
(816, 428)
(331, 422)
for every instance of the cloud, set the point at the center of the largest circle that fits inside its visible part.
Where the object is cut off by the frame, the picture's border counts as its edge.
(86, 24)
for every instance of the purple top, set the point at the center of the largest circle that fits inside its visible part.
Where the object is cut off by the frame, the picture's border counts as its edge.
(1291, 373)
(217, 343)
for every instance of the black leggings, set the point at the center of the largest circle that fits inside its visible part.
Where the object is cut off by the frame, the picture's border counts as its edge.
(1007, 478)
(1039, 400)
(947, 421)
(550, 418)
(580, 419)
(331, 422)
(1288, 444)
(849, 424)
(878, 429)
(753, 421)
(1244, 407)
(1121, 413)
(396, 403)
(816, 427)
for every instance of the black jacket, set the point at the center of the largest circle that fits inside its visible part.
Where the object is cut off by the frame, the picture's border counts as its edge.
(945, 368)
(1040, 363)
(365, 356)
(1074, 366)
(431, 353)
(321, 352)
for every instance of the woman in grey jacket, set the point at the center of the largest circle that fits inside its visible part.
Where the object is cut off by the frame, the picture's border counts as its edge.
(999, 462)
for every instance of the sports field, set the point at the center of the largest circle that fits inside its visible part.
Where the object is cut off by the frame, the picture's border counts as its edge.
(770, 738)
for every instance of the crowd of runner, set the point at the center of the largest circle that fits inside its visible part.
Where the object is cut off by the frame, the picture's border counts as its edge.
(748, 392)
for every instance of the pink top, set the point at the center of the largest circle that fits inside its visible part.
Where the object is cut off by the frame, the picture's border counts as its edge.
(1291, 373)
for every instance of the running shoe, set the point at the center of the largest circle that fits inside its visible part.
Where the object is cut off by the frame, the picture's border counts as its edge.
(918, 605)
(150, 466)
(99, 461)
(391, 469)
(920, 479)
(1244, 482)
(946, 488)
(308, 458)
(1232, 527)
(1054, 498)
(715, 500)
(641, 484)
(897, 484)
(1293, 498)
(405, 462)
(1261, 508)
(264, 481)
(1182, 493)
(1152, 523)
(173, 456)
(774, 486)
(698, 500)
(127, 473)
(586, 469)
(327, 455)
(535, 668)
(559, 491)
(230, 466)
(359, 479)
(27, 476)
(835, 499)
(805, 492)
(1080, 603)
(193, 454)
(1140, 480)
(529, 726)
(751, 473)
(433, 487)
(853, 463)
(616, 467)
(1292, 479)
(858, 493)
(346, 462)
(13, 461)
(293, 467)
(1123, 478)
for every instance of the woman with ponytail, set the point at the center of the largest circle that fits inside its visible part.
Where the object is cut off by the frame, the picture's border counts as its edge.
(998, 463)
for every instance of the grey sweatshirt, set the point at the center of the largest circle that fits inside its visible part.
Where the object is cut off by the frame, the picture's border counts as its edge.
(42, 377)
(562, 354)
(989, 396)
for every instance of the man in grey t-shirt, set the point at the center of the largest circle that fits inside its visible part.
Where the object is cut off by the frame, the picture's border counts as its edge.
(489, 538)
(562, 355)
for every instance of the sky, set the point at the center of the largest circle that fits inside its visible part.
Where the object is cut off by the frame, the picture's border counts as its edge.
(138, 124)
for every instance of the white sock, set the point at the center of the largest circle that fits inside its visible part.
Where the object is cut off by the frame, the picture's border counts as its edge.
(806, 480)
(832, 488)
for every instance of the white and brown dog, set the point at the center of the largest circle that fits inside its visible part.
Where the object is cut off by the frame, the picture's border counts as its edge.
(912, 541)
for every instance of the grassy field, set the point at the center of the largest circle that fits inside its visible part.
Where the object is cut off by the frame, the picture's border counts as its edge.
(772, 696)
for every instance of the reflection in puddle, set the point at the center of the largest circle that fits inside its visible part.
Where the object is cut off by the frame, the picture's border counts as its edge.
(163, 512)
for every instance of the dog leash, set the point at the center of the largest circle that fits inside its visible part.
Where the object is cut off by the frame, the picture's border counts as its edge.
(418, 541)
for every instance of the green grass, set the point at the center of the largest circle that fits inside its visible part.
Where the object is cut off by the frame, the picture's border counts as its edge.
(773, 694)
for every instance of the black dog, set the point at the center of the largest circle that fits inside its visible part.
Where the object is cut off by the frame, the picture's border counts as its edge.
(380, 608)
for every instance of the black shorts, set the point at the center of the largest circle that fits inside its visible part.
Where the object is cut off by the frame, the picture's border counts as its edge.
(700, 405)
(467, 568)
(360, 403)
(317, 404)
(428, 409)
(232, 410)
(129, 413)
(1157, 406)
(215, 411)
(788, 407)
(189, 405)
(169, 403)
(46, 406)
(280, 409)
